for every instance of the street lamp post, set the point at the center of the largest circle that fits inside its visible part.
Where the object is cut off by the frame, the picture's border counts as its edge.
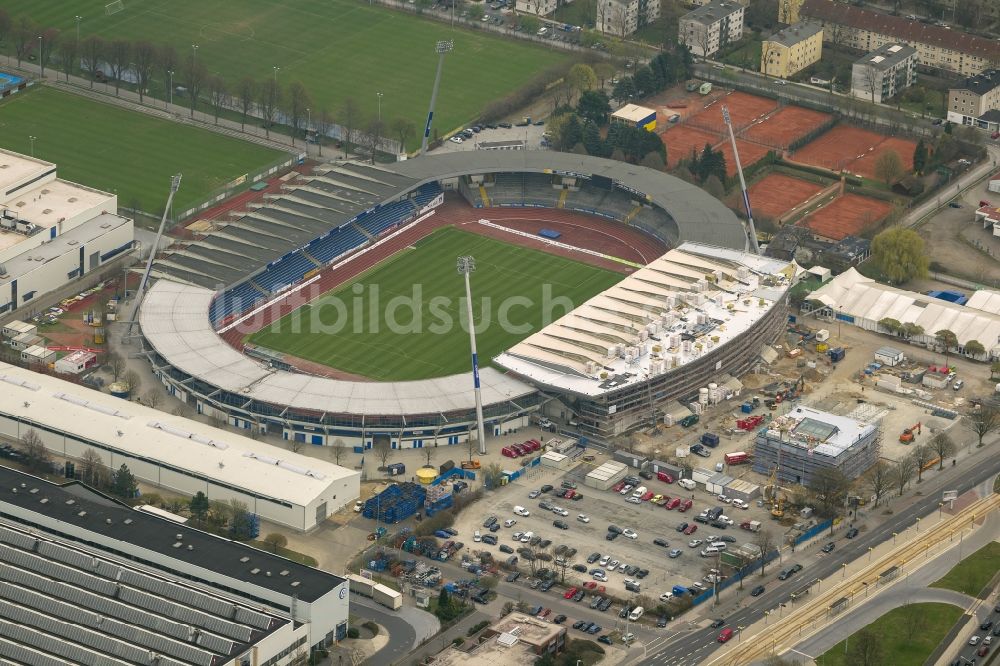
(32, 139)
(844, 570)
(869, 553)
(41, 56)
(276, 70)
(466, 265)
(170, 95)
(78, 19)
(194, 54)
(379, 105)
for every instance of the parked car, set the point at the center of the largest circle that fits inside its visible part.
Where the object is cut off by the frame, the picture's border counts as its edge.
(757, 591)
(675, 553)
(851, 533)
(690, 529)
(828, 548)
(604, 638)
(583, 518)
(662, 543)
(682, 527)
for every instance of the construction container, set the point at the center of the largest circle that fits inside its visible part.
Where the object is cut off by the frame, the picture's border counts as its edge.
(710, 439)
(395, 469)
(746, 407)
(440, 504)
(447, 466)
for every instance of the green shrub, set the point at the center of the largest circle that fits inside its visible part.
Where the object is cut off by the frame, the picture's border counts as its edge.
(478, 627)
(371, 626)
(458, 640)
(353, 633)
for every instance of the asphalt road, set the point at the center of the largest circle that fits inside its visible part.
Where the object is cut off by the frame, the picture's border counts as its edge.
(693, 646)
(401, 635)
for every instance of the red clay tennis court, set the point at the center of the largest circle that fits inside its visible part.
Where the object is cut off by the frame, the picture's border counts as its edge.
(775, 194)
(847, 215)
(838, 148)
(680, 140)
(903, 147)
(749, 153)
(786, 125)
(743, 108)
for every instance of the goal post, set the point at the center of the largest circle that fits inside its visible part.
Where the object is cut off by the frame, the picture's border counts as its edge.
(114, 7)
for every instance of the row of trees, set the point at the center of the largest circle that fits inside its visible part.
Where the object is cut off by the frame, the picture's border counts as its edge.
(137, 63)
(663, 71)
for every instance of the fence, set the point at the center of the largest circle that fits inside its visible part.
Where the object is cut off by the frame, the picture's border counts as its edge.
(813, 531)
(221, 193)
(741, 573)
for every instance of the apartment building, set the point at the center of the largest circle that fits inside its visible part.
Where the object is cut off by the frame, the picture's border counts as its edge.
(623, 17)
(884, 72)
(705, 29)
(976, 101)
(937, 47)
(537, 7)
(791, 50)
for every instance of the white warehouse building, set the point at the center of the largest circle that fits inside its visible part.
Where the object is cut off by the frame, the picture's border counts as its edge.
(172, 452)
(52, 231)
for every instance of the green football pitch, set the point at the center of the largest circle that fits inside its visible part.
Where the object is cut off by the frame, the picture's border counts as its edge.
(117, 150)
(337, 48)
(405, 319)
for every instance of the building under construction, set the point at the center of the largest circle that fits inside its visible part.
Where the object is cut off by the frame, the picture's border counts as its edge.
(806, 440)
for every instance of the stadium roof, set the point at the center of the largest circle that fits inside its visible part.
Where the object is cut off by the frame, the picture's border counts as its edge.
(174, 321)
(851, 293)
(184, 444)
(106, 518)
(668, 313)
(699, 216)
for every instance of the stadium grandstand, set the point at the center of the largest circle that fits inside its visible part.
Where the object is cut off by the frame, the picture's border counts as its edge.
(85, 579)
(209, 287)
(692, 317)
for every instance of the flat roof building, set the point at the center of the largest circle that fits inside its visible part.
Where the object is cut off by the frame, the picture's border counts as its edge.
(686, 319)
(516, 639)
(791, 50)
(708, 28)
(976, 101)
(87, 579)
(173, 452)
(884, 73)
(806, 440)
(634, 115)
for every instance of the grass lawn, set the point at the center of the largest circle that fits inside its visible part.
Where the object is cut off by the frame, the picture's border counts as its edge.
(902, 646)
(973, 573)
(352, 328)
(746, 55)
(121, 151)
(337, 48)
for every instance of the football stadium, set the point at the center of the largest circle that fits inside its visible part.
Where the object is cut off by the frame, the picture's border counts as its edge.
(333, 311)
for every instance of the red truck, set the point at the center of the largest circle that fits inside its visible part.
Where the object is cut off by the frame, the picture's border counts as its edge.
(509, 452)
(737, 458)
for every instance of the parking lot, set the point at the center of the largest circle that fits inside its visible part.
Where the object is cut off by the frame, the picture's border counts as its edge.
(602, 509)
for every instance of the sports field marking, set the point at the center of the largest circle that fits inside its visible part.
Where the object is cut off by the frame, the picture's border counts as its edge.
(565, 246)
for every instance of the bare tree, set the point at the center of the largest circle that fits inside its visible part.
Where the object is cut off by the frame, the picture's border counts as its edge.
(298, 102)
(382, 446)
(492, 474)
(871, 81)
(92, 48)
(24, 33)
(197, 74)
(338, 450)
(866, 649)
(132, 379)
(36, 456)
(942, 446)
(47, 43)
(878, 480)
(6, 23)
(90, 468)
(143, 62)
(350, 116)
(403, 129)
(295, 445)
(119, 57)
(246, 93)
(69, 56)
(268, 101)
(324, 123)
(428, 452)
(219, 95)
(922, 456)
(983, 422)
(829, 485)
(903, 472)
(373, 136)
(117, 366)
(764, 543)
(152, 398)
(166, 60)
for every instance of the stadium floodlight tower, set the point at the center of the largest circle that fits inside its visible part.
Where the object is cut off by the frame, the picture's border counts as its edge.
(442, 48)
(466, 265)
(752, 231)
(175, 183)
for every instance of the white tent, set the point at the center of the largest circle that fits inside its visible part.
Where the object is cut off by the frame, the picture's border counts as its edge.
(853, 295)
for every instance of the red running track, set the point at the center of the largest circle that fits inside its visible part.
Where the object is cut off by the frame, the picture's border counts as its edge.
(579, 229)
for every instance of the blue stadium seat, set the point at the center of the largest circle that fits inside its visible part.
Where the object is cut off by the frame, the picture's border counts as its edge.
(336, 243)
(384, 217)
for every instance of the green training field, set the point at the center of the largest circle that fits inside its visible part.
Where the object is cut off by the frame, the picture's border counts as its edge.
(337, 48)
(904, 636)
(973, 573)
(121, 151)
(369, 328)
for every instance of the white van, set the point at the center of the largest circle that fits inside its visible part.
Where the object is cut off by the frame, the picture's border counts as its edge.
(521, 511)
(527, 536)
(635, 614)
(719, 545)
(710, 551)
(686, 483)
(639, 492)
(477, 537)
(543, 31)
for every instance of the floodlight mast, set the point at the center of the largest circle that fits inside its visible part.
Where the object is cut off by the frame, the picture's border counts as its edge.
(175, 183)
(466, 265)
(752, 231)
(442, 48)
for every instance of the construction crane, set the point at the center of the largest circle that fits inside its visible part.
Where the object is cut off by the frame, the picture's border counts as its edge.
(778, 498)
(909, 434)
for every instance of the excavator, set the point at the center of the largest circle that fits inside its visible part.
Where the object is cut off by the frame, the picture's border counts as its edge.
(776, 498)
(909, 434)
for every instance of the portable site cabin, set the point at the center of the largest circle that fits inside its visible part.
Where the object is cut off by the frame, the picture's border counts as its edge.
(17, 327)
(889, 356)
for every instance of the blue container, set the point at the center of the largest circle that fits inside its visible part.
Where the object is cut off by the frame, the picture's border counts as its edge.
(710, 439)
(746, 407)
(395, 469)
